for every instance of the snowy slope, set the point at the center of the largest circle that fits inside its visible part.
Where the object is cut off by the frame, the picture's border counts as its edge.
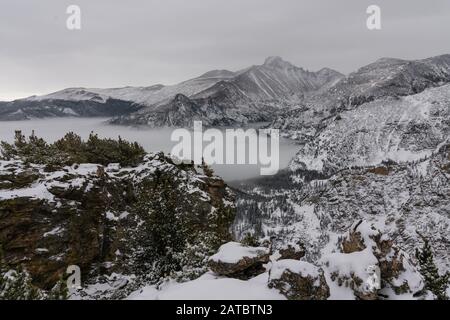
(398, 129)
(146, 96)
(210, 287)
(399, 199)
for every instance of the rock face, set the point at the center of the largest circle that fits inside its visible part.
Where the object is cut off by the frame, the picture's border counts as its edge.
(237, 261)
(299, 280)
(103, 220)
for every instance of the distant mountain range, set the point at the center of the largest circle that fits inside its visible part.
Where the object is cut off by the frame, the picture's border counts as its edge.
(277, 91)
(218, 97)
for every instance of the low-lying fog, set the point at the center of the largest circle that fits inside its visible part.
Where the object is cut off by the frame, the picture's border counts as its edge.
(153, 140)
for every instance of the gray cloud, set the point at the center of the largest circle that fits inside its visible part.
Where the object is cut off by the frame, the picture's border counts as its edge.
(141, 42)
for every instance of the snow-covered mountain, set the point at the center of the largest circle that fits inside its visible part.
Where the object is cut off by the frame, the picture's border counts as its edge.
(113, 102)
(373, 147)
(390, 113)
(145, 96)
(95, 106)
(251, 95)
(277, 80)
(386, 77)
(218, 97)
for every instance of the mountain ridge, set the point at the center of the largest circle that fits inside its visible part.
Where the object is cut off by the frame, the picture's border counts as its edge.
(276, 82)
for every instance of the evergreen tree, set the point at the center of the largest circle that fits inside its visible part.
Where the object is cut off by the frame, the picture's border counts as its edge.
(434, 282)
(59, 291)
(250, 240)
(163, 237)
(72, 149)
(16, 285)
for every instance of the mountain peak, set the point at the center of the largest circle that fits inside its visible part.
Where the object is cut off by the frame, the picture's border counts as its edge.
(218, 74)
(277, 62)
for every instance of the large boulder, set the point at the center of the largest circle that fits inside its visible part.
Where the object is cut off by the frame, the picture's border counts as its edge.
(235, 260)
(299, 280)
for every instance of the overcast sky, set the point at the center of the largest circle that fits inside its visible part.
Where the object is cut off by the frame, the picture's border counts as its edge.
(144, 42)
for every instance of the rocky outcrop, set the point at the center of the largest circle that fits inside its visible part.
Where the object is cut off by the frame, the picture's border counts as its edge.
(298, 280)
(102, 220)
(369, 263)
(292, 252)
(235, 260)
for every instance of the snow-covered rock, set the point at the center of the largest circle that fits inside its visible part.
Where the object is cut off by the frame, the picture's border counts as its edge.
(238, 261)
(369, 263)
(298, 280)
(291, 252)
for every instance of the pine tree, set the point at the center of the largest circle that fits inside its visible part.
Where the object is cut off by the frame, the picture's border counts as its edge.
(59, 291)
(16, 285)
(72, 149)
(250, 240)
(163, 237)
(434, 282)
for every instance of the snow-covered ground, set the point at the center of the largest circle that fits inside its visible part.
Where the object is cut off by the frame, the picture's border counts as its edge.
(211, 287)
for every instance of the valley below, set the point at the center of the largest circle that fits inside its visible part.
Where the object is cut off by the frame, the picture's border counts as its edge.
(152, 139)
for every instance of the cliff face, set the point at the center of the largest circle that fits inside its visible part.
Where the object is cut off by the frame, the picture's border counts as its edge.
(149, 221)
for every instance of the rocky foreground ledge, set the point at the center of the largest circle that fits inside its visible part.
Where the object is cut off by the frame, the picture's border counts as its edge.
(362, 263)
(122, 225)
